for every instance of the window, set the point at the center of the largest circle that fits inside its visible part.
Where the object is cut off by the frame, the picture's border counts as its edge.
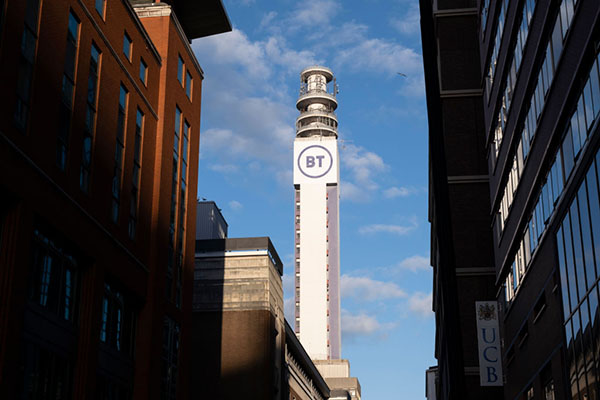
(539, 307)
(484, 14)
(549, 390)
(119, 150)
(577, 239)
(127, 46)
(495, 50)
(68, 86)
(26, 63)
(529, 394)
(135, 184)
(54, 284)
(46, 374)
(174, 182)
(188, 84)
(90, 119)
(100, 6)
(182, 214)
(523, 335)
(180, 70)
(117, 324)
(143, 71)
(170, 358)
(109, 388)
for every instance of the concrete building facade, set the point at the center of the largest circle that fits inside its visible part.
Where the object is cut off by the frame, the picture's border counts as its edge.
(243, 344)
(316, 182)
(100, 126)
(337, 376)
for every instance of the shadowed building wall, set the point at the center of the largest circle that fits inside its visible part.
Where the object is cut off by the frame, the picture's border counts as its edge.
(242, 345)
(459, 211)
(99, 132)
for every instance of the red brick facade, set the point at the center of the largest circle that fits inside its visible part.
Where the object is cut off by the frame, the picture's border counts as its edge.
(90, 305)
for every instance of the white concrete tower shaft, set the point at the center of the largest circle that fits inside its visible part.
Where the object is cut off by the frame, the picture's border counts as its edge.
(316, 180)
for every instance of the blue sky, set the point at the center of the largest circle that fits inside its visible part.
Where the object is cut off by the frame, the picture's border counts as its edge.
(248, 113)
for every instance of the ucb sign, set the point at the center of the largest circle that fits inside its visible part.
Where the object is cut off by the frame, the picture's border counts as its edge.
(488, 340)
(315, 161)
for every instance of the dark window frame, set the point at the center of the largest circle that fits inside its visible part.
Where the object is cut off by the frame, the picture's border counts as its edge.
(100, 6)
(127, 46)
(68, 89)
(90, 117)
(189, 82)
(119, 152)
(54, 282)
(136, 174)
(118, 321)
(180, 69)
(143, 72)
(27, 60)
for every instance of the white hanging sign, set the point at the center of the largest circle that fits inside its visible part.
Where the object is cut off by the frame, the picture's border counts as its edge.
(488, 339)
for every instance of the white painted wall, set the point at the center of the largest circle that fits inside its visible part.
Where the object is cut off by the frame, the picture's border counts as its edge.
(313, 269)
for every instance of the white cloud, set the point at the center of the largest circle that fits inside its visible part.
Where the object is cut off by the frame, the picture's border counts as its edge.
(250, 112)
(289, 310)
(257, 121)
(401, 191)
(395, 229)
(363, 166)
(415, 263)
(224, 168)
(420, 304)
(352, 192)
(235, 205)
(314, 13)
(414, 87)
(277, 52)
(348, 33)
(368, 289)
(362, 324)
(288, 284)
(234, 48)
(379, 55)
(409, 23)
(267, 20)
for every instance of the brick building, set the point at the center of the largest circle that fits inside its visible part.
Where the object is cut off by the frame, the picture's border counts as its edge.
(99, 131)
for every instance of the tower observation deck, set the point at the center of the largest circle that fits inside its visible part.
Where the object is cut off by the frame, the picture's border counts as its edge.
(316, 104)
(316, 183)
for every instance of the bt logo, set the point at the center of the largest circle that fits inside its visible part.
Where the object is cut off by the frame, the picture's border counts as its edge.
(315, 161)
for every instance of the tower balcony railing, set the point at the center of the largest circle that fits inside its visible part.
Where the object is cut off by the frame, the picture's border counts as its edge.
(328, 113)
(316, 96)
(322, 129)
(305, 90)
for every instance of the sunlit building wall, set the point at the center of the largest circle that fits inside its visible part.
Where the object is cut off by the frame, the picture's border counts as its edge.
(316, 182)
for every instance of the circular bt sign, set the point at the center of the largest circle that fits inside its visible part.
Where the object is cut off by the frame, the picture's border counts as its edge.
(315, 161)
